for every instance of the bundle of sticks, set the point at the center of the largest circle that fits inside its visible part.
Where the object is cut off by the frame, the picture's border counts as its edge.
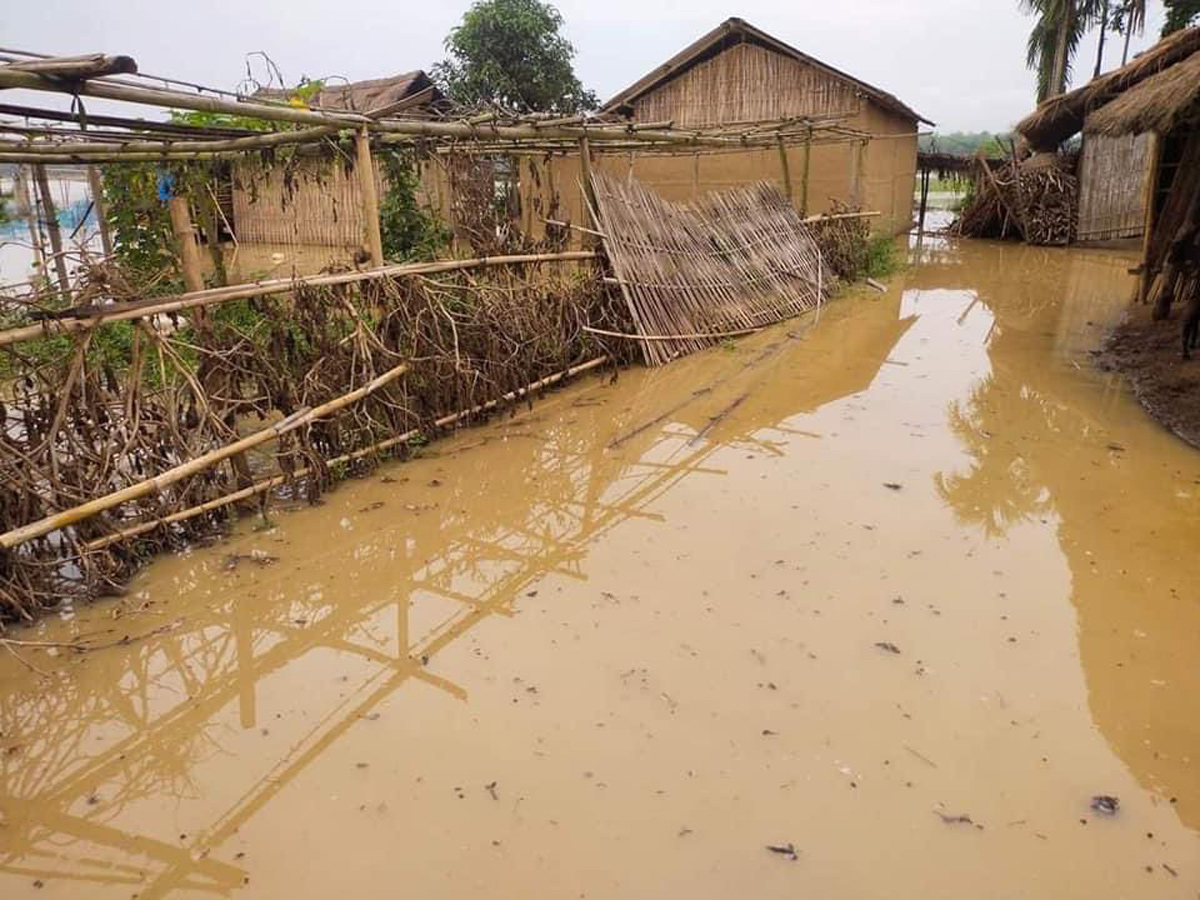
(1036, 203)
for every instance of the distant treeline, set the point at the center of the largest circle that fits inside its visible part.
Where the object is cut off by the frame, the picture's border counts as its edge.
(967, 143)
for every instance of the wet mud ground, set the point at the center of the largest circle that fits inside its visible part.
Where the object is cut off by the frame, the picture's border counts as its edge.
(898, 594)
(1150, 354)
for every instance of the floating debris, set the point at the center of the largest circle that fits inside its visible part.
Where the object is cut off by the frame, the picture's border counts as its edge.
(788, 850)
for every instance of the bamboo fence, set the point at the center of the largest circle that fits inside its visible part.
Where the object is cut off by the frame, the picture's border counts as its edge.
(733, 262)
(135, 422)
(103, 466)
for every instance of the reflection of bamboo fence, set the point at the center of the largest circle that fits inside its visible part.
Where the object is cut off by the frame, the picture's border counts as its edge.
(729, 263)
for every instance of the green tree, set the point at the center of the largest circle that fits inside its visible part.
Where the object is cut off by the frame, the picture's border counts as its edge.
(409, 231)
(1128, 18)
(511, 53)
(1180, 15)
(1055, 37)
(1060, 26)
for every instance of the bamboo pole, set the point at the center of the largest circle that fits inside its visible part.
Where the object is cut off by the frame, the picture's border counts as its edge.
(495, 139)
(101, 209)
(155, 485)
(925, 175)
(585, 172)
(72, 68)
(785, 172)
(856, 167)
(279, 480)
(185, 235)
(173, 145)
(27, 207)
(109, 90)
(804, 177)
(1149, 198)
(54, 230)
(850, 215)
(370, 197)
(120, 312)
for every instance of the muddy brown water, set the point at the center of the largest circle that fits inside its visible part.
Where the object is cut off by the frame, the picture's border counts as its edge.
(619, 644)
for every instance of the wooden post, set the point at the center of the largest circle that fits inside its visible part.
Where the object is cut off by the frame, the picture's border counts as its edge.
(98, 205)
(189, 254)
(1174, 268)
(589, 192)
(97, 189)
(925, 173)
(52, 226)
(858, 161)
(27, 208)
(370, 198)
(785, 171)
(804, 176)
(1149, 198)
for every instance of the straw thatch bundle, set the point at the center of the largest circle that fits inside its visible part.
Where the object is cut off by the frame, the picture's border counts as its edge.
(1062, 116)
(1160, 103)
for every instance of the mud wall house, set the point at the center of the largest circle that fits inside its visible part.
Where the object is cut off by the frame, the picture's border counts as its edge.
(1136, 123)
(737, 73)
(315, 203)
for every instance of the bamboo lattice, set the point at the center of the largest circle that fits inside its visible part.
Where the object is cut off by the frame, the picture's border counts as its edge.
(731, 262)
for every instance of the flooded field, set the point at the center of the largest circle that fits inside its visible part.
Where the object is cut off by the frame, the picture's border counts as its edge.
(884, 606)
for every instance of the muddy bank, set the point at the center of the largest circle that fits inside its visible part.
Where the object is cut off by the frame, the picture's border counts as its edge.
(1149, 354)
(911, 587)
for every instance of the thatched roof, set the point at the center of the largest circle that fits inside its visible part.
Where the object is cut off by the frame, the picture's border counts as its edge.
(1160, 103)
(369, 96)
(1062, 116)
(733, 31)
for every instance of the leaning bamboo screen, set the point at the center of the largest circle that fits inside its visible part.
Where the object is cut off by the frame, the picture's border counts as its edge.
(692, 273)
(1112, 187)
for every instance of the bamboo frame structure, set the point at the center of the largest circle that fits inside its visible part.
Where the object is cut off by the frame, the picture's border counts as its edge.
(121, 312)
(409, 318)
(375, 449)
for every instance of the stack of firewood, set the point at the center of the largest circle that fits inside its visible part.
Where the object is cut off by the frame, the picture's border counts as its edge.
(1038, 204)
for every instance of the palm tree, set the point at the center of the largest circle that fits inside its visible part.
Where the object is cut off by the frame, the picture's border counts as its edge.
(1103, 34)
(1132, 17)
(1052, 42)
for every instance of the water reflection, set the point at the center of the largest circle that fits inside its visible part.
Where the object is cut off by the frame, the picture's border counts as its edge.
(1049, 440)
(137, 766)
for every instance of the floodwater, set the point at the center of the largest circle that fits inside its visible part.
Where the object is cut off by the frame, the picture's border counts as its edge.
(76, 218)
(905, 590)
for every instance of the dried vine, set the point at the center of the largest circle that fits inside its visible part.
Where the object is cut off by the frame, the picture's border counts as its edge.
(81, 422)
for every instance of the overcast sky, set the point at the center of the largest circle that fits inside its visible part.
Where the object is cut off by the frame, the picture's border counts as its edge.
(959, 63)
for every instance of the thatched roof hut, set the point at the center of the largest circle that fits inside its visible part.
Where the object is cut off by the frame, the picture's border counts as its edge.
(1135, 121)
(1161, 103)
(1060, 117)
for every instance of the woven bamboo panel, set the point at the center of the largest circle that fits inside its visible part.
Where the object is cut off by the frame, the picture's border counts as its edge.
(1112, 182)
(746, 83)
(731, 261)
(315, 204)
